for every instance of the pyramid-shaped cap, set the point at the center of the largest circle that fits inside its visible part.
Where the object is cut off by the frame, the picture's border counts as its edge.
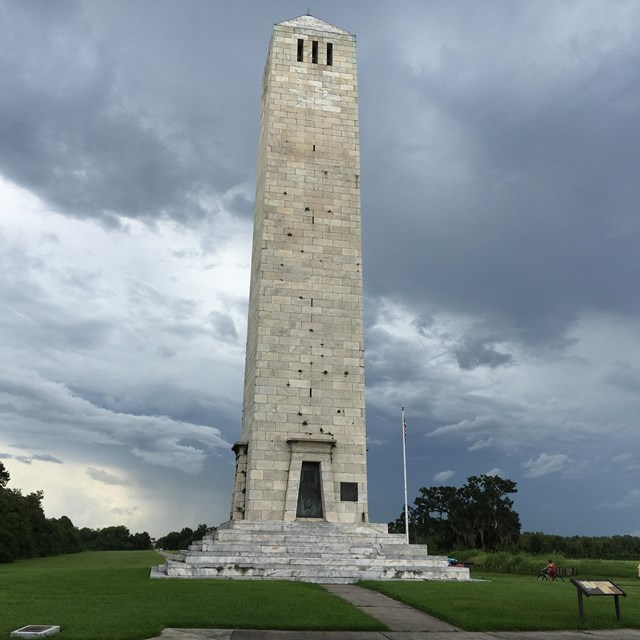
(313, 24)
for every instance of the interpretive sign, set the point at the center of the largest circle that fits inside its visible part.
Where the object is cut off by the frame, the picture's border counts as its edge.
(597, 588)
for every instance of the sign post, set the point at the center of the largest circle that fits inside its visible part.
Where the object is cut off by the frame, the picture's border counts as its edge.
(597, 588)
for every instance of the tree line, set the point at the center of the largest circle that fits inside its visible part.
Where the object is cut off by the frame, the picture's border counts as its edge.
(177, 540)
(480, 515)
(625, 547)
(25, 531)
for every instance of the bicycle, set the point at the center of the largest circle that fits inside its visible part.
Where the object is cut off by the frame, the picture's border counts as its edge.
(543, 575)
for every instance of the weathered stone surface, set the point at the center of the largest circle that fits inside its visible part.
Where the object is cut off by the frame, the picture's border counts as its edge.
(309, 552)
(304, 404)
(304, 372)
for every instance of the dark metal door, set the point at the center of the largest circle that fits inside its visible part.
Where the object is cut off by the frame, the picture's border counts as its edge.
(310, 491)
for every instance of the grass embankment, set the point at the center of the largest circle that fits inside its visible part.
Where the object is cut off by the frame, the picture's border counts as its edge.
(519, 602)
(528, 564)
(109, 596)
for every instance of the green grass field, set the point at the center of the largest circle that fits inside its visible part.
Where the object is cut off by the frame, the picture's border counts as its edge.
(109, 596)
(508, 602)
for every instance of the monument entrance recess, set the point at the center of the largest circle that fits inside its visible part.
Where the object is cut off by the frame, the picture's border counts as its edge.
(300, 502)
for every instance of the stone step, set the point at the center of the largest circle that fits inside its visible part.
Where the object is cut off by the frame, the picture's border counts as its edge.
(306, 540)
(348, 557)
(310, 549)
(316, 549)
(291, 563)
(313, 573)
(310, 552)
(305, 548)
(317, 571)
(260, 560)
(273, 526)
(365, 545)
(304, 536)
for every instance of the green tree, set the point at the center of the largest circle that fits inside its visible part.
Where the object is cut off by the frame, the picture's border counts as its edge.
(115, 538)
(26, 532)
(492, 523)
(140, 541)
(22, 523)
(182, 539)
(477, 515)
(64, 535)
(4, 476)
(9, 530)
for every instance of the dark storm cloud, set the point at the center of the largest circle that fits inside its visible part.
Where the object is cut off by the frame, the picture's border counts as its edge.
(391, 359)
(70, 134)
(120, 511)
(47, 458)
(478, 351)
(239, 205)
(626, 376)
(223, 325)
(66, 333)
(180, 402)
(105, 477)
(511, 198)
(100, 104)
(156, 439)
(422, 324)
(499, 150)
(30, 458)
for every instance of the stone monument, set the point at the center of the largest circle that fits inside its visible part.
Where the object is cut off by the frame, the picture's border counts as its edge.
(299, 503)
(303, 450)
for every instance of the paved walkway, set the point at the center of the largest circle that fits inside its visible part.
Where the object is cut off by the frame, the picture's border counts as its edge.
(404, 622)
(256, 634)
(393, 614)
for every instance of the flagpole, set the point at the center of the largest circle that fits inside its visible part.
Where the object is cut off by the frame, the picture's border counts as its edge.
(404, 461)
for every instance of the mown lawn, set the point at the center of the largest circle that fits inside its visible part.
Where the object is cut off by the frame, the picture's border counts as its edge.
(502, 602)
(109, 596)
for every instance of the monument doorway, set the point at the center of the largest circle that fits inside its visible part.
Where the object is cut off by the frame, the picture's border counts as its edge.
(310, 491)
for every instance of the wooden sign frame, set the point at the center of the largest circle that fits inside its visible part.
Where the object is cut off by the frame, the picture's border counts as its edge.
(591, 588)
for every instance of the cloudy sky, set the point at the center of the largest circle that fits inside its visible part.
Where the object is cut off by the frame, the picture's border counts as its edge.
(500, 186)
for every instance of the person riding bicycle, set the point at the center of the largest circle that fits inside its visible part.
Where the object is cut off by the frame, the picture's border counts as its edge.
(550, 570)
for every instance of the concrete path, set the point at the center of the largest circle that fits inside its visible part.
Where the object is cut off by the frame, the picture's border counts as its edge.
(257, 634)
(404, 623)
(393, 614)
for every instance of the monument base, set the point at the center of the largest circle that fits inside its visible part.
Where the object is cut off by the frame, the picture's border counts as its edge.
(307, 551)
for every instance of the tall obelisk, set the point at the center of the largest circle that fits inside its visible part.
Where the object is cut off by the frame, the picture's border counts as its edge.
(299, 505)
(302, 454)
